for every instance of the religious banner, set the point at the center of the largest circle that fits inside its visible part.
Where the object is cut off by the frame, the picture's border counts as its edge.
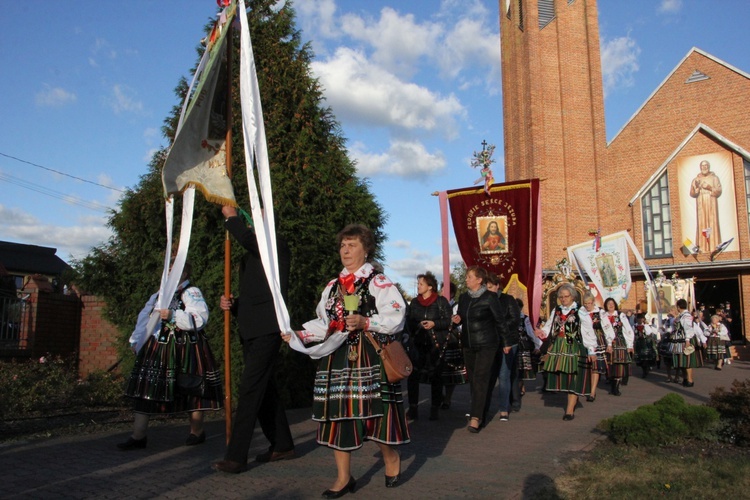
(198, 156)
(501, 231)
(606, 263)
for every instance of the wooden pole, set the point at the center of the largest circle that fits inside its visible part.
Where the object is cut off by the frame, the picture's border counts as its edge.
(228, 253)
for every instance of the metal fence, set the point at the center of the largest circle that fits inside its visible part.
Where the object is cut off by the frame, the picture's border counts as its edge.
(12, 318)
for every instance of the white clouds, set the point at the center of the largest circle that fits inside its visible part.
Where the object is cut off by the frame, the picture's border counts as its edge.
(471, 42)
(414, 261)
(318, 17)
(360, 91)
(670, 6)
(54, 97)
(403, 159)
(123, 100)
(397, 42)
(392, 72)
(619, 62)
(71, 241)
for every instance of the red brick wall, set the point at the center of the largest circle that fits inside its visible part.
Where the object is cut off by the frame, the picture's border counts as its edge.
(553, 116)
(98, 344)
(55, 323)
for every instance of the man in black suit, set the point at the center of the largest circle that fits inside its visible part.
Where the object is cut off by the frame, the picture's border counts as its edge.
(261, 340)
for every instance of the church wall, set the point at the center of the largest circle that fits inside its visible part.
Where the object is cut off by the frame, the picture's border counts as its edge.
(665, 121)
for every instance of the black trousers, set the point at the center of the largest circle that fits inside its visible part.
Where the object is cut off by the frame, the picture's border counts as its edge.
(479, 366)
(259, 400)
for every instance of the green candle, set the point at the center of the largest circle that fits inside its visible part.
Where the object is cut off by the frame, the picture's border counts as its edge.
(351, 302)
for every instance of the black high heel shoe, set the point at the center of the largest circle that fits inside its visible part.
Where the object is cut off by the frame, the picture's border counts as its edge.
(393, 481)
(349, 488)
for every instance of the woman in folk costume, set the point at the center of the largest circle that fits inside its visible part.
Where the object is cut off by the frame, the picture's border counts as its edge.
(175, 370)
(684, 356)
(621, 349)
(353, 401)
(716, 337)
(572, 350)
(604, 338)
(646, 345)
(667, 345)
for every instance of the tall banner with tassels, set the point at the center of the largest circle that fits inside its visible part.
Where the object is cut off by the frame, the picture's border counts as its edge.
(197, 157)
(499, 228)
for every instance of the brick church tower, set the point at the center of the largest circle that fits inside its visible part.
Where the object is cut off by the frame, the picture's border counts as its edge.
(553, 113)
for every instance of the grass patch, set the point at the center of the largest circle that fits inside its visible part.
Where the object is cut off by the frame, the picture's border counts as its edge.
(695, 469)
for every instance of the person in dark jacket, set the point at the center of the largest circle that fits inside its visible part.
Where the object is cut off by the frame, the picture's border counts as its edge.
(428, 318)
(505, 369)
(481, 319)
(259, 332)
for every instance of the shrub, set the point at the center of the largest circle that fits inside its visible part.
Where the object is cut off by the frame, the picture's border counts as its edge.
(35, 385)
(667, 421)
(734, 409)
(51, 383)
(100, 388)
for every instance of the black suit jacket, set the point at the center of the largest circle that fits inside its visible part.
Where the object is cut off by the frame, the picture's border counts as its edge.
(254, 307)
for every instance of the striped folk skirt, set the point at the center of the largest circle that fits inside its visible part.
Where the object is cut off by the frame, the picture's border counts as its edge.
(692, 360)
(175, 372)
(353, 401)
(567, 367)
(715, 349)
(619, 360)
(601, 353)
(646, 351)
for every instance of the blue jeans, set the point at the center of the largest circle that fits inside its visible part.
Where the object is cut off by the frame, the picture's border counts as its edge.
(506, 377)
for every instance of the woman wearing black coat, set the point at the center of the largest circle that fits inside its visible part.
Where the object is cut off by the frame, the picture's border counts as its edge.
(481, 319)
(428, 319)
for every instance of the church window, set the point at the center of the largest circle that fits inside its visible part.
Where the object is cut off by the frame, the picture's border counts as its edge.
(657, 220)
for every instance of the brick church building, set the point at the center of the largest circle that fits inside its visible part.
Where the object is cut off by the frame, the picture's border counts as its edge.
(676, 176)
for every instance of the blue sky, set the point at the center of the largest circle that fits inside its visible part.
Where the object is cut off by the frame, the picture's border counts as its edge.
(87, 85)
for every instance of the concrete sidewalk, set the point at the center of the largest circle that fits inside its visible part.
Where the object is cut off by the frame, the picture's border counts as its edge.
(506, 460)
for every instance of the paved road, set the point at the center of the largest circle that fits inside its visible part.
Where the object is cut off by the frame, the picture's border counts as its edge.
(506, 460)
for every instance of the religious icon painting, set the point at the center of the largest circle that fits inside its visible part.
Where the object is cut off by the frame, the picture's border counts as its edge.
(607, 270)
(492, 232)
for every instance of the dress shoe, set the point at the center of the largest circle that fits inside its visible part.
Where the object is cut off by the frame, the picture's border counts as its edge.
(392, 481)
(230, 467)
(590, 398)
(688, 384)
(192, 439)
(275, 456)
(568, 416)
(133, 444)
(349, 488)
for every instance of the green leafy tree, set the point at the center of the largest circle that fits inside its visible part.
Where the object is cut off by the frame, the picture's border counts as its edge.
(315, 189)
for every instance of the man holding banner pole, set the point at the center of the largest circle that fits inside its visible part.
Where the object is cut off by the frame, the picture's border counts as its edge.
(259, 333)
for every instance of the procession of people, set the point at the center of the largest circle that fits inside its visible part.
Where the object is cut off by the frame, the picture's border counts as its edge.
(483, 339)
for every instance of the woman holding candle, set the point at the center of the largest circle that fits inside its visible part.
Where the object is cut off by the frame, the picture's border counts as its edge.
(353, 400)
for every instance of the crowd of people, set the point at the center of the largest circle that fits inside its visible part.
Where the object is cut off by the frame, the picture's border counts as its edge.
(482, 338)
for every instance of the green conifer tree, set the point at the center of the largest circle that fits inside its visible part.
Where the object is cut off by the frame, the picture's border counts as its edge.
(315, 189)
